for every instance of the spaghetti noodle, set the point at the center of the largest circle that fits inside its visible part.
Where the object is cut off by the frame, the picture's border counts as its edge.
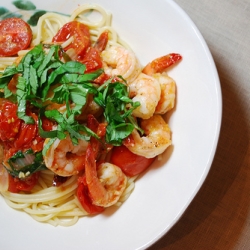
(69, 96)
(46, 203)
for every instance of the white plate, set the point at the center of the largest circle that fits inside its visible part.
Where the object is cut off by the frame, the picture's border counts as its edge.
(164, 192)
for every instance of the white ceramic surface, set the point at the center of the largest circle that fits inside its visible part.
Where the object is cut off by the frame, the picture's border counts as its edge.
(161, 195)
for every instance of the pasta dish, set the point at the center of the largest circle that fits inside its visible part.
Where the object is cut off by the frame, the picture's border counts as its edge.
(80, 118)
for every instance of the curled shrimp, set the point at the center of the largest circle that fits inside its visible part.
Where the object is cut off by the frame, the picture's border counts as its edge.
(105, 184)
(120, 61)
(167, 84)
(168, 89)
(154, 142)
(146, 90)
(65, 159)
(142, 88)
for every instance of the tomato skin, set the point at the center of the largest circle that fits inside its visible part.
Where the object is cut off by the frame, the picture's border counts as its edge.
(130, 163)
(81, 35)
(47, 124)
(101, 79)
(27, 133)
(9, 122)
(85, 200)
(16, 184)
(92, 60)
(12, 185)
(15, 35)
(15, 134)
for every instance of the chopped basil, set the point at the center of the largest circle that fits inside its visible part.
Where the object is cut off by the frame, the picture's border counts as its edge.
(40, 69)
(118, 108)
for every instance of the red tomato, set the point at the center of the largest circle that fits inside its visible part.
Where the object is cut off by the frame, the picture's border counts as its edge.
(9, 122)
(92, 60)
(16, 184)
(15, 35)
(130, 163)
(101, 79)
(37, 144)
(80, 33)
(12, 185)
(85, 200)
(27, 134)
(47, 124)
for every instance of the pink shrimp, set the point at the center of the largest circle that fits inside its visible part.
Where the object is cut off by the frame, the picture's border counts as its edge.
(160, 64)
(105, 184)
(65, 159)
(156, 69)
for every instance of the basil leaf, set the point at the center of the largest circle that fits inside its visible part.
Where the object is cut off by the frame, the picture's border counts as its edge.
(24, 5)
(48, 145)
(115, 134)
(8, 73)
(21, 98)
(114, 98)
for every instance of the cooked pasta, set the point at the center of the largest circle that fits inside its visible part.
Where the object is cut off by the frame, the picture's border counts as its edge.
(46, 203)
(102, 178)
(55, 205)
(49, 24)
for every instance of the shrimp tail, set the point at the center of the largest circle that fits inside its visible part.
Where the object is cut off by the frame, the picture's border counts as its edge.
(160, 64)
(102, 41)
(93, 124)
(91, 175)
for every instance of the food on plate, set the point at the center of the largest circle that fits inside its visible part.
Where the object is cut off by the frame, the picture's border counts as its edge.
(80, 118)
(15, 35)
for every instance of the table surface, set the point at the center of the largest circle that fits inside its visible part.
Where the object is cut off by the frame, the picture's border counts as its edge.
(219, 216)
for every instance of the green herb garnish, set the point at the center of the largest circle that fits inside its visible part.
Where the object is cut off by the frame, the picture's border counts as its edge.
(118, 108)
(41, 71)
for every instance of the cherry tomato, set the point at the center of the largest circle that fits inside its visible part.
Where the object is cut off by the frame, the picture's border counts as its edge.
(9, 122)
(80, 33)
(15, 35)
(101, 79)
(12, 185)
(26, 134)
(91, 59)
(47, 124)
(16, 184)
(130, 163)
(85, 200)
(37, 144)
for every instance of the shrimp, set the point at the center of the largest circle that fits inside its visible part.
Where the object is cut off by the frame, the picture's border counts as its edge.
(142, 88)
(105, 184)
(168, 89)
(167, 84)
(153, 89)
(146, 90)
(65, 159)
(154, 142)
(120, 61)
